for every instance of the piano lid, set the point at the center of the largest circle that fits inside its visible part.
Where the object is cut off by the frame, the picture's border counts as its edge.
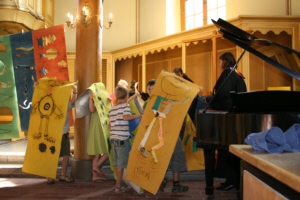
(284, 58)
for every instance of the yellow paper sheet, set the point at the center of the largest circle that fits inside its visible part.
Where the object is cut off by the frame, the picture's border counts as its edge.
(47, 118)
(159, 130)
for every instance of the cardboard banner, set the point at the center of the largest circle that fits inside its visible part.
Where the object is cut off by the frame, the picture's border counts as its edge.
(24, 71)
(159, 130)
(47, 118)
(50, 52)
(8, 96)
(103, 106)
(50, 55)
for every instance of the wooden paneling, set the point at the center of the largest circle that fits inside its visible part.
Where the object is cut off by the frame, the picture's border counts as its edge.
(264, 75)
(204, 45)
(199, 64)
(124, 70)
(256, 189)
(256, 73)
(198, 68)
(154, 68)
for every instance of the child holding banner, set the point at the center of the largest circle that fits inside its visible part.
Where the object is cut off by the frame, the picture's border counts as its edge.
(119, 133)
(95, 143)
(149, 88)
(178, 159)
(65, 144)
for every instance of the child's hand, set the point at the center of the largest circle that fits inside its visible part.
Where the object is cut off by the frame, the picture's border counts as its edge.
(74, 87)
(91, 95)
(35, 84)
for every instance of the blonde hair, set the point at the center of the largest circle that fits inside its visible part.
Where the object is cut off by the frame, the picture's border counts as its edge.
(123, 83)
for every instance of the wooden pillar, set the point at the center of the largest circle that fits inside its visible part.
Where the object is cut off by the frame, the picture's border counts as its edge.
(87, 71)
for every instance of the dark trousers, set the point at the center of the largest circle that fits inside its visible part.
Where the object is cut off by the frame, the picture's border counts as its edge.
(231, 167)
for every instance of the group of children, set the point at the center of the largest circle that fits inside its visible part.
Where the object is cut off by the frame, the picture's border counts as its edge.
(119, 135)
(119, 116)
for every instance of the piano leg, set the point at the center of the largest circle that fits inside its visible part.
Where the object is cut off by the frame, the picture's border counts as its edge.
(209, 156)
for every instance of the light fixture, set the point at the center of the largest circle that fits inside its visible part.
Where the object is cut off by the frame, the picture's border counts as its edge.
(109, 22)
(70, 22)
(86, 18)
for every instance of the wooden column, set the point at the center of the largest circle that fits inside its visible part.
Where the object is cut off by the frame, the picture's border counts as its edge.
(87, 71)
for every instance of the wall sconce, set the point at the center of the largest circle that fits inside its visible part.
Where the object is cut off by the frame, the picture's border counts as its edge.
(70, 22)
(86, 18)
(109, 22)
(86, 15)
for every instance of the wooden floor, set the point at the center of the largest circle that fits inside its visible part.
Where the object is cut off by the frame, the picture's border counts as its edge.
(14, 184)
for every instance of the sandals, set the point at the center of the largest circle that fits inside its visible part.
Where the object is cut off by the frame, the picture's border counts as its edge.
(50, 181)
(99, 180)
(120, 189)
(101, 177)
(65, 179)
(100, 174)
(180, 188)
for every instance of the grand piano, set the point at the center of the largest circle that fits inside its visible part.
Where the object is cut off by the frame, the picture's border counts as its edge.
(251, 112)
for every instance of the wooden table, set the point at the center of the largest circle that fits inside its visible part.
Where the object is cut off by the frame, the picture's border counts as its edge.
(265, 174)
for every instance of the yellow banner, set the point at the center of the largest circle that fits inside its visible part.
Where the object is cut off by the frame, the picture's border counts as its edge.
(159, 130)
(47, 118)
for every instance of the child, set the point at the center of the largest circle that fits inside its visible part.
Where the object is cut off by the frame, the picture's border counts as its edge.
(150, 86)
(96, 141)
(65, 144)
(119, 133)
(178, 159)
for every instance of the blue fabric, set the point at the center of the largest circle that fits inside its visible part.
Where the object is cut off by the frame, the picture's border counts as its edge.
(133, 124)
(272, 140)
(292, 137)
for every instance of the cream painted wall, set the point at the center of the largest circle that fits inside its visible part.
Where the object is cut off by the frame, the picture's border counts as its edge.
(295, 7)
(123, 31)
(61, 9)
(173, 22)
(152, 19)
(255, 7)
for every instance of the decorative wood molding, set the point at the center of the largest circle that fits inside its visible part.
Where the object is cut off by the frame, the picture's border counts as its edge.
(248, 23)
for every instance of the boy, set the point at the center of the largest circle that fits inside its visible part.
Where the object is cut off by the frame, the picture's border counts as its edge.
(65, 144)
(178, 159)
(150, 86)
(119, 115)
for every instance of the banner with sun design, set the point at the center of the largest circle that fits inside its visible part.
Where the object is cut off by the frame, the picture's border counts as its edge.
(50, 52)
(24, 71)
(159, 130)
(9, 125)
(47, 118)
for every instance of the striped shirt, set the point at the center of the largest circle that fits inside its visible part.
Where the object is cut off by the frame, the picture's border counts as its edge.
(119, 127)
